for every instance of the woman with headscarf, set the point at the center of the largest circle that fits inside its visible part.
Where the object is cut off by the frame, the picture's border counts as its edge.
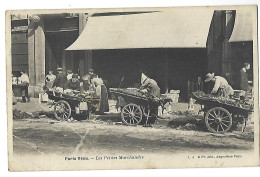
(101, 92)
(150, 85)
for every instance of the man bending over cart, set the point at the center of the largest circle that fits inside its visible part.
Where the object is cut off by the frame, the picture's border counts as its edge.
(221, 87)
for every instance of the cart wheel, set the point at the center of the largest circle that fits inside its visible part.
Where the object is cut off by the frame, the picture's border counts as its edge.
(62, 110)
(218, 120)
(131, 114)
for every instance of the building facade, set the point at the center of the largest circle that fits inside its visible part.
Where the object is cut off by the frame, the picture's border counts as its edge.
(39, 44)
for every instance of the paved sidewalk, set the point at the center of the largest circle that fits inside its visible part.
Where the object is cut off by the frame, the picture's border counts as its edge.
(32, 106)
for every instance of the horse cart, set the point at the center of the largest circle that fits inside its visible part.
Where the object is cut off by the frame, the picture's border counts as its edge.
(223, 114)
(136, 107)
(73, 104)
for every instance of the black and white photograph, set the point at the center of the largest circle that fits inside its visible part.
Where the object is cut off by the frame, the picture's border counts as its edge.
(132, 88)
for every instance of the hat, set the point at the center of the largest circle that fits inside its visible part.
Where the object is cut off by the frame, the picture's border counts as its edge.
(209, 77)
(90, 70)
(143, 78)
(59, 69)
(75, 76)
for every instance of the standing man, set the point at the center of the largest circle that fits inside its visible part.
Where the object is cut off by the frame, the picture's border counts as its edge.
(24, 86)
(243, 78)
(60, 80)
(85, 84)
(221, 86)
(92, 75)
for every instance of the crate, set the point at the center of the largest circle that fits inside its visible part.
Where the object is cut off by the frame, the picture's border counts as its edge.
(174, 95)
(43, 97)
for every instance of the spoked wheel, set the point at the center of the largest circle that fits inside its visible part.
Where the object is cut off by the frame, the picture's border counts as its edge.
(218, 120)
(131, 114)
(62, 110)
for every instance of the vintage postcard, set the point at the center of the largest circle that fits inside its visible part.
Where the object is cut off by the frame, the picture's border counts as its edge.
(132, 88)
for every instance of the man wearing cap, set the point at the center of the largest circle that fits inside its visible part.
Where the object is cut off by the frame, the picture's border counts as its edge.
(73, 83)
(60, 80)
(221, 86)
(150, 85)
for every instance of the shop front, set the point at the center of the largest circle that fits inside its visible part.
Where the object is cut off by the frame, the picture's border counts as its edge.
(175, 46)
(169, 46)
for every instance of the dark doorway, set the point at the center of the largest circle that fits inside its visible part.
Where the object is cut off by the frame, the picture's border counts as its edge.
(171, 68)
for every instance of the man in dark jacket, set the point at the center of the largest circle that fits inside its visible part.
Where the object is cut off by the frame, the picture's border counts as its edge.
(243, 78)
(73, 83)
(60, 80)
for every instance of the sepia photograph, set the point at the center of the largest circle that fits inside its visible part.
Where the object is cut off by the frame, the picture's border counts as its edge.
(132, 88)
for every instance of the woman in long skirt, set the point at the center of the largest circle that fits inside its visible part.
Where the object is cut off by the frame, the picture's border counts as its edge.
(101, 92)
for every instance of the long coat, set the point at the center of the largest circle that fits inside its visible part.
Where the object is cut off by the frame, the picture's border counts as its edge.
(60, 80)
(243, 80)
(101, 92)
(152, 87)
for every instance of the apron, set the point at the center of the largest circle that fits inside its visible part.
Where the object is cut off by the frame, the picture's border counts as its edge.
(101, 92)
(226, 91)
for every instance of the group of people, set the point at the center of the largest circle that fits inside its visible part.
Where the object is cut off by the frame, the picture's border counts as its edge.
(221, 86)
(91, 81)
(72, 82)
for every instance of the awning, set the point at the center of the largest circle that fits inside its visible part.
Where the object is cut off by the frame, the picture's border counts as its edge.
(243, 27)
(170, 28)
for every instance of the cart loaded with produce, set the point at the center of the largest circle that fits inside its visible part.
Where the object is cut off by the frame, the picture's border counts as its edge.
(223, 114)
(137, 107)
(73, 104)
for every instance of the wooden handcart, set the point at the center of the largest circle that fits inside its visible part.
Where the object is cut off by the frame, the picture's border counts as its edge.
(67, 105)
(222, 114)
(137, 108)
